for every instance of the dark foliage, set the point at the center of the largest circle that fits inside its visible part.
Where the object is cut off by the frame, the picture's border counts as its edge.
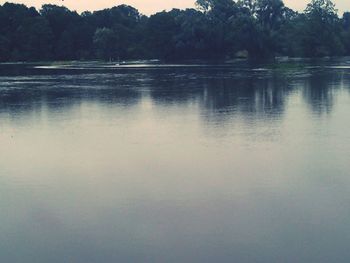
(216, 29)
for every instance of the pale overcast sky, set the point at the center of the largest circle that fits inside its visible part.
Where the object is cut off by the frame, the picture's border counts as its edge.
(151, 6)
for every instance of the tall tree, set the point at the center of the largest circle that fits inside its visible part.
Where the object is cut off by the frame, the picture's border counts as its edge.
(105, 44)
(321, 31)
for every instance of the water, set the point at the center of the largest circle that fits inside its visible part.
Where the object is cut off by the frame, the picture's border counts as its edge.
(223, 163)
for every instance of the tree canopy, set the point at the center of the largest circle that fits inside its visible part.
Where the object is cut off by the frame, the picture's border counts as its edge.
(215, 29)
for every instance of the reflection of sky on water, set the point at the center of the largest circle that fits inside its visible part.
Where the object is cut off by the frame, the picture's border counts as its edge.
(174, 165)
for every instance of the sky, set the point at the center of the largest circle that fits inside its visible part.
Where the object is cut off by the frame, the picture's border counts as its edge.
(152, 6)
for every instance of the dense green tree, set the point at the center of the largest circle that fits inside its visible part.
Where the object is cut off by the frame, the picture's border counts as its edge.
(5, 48)
(161, 29)
(191, 40)
(216, 29)
(68, 31)
(33, 40)
(321, 30)
(105, 44)
(270, 13)
(346, 32)
(346, 20)
(220, 16)
(24, 34)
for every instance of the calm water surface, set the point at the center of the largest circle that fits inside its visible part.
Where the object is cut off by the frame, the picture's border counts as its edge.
(175, 164)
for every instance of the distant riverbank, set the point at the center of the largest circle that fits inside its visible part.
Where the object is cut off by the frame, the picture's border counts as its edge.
(215, 30)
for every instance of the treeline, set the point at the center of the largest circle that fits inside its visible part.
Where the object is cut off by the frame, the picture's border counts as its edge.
(216, 29)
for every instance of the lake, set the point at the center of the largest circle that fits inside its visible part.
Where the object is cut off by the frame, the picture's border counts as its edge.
(175, 163)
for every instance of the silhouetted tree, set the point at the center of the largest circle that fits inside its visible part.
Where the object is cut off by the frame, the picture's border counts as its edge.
(105, 43)
(216, 29)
